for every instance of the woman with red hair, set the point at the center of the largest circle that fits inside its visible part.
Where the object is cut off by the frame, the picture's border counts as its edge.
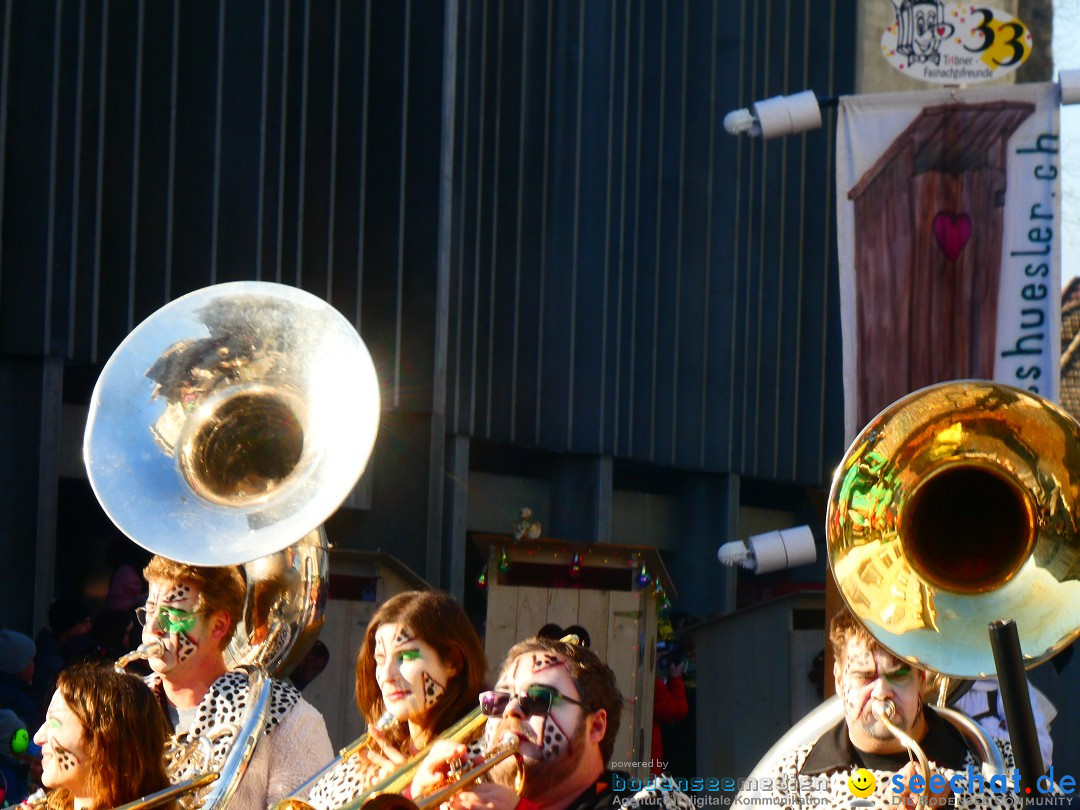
(419, 670)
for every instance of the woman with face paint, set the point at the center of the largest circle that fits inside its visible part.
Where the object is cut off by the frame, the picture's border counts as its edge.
(421, 663)
(103, 740)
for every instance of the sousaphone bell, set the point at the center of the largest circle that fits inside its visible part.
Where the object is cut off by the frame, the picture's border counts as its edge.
(956, 506)
(224, 430)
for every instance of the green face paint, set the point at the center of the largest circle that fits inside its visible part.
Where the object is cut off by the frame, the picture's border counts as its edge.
(174, 620)
(409, 655)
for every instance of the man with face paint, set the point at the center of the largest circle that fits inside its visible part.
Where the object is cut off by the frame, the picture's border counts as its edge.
(865, 673)
(193, 611)
(562, 704)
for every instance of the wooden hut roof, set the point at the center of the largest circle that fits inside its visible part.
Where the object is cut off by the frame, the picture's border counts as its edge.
(951, 138)
(608, 555)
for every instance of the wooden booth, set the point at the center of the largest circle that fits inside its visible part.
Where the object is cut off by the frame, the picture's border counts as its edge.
(531, 583)
(359, 581)
(755, 681)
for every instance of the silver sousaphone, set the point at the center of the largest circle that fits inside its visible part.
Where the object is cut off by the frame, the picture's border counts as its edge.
(224, 430)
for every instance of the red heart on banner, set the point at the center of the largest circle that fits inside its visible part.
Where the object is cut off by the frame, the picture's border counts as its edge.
(941, 29)
(952, 232)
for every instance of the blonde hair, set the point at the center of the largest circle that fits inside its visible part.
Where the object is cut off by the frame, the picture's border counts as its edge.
(221, 588)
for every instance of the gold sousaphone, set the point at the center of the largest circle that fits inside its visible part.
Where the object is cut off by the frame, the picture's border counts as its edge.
(956, 506)
(224, 430)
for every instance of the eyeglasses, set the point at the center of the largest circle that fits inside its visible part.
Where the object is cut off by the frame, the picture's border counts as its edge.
(535, 700)
(170, 620)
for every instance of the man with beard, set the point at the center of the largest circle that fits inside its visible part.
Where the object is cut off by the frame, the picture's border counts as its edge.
(193, 611)
(562, 704)
(818, 773)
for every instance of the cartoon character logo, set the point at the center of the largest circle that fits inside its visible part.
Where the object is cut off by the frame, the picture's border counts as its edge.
(862, 783)
(922, 28)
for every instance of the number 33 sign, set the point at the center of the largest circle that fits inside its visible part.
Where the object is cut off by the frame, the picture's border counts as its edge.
(954, 43)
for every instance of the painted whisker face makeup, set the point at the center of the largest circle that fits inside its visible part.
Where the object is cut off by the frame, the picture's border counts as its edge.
(171, 614)
(537, 700)
(62, 741)
(411, 675)
(866, 676)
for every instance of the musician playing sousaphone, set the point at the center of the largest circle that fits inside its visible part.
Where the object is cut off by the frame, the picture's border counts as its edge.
(193, 610)
(419, 669)
(820, 772)
(943, 520)
(102, 740)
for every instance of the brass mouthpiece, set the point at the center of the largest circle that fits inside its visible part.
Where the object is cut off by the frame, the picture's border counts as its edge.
(144, 651)
(883, 709)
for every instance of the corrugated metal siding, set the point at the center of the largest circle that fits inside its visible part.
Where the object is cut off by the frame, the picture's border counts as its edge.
(151, 148)
(628, 278)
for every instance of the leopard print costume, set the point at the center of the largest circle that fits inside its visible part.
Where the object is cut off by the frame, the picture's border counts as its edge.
(355, 776)
(791, 789)
(344, 782)
(221, 711)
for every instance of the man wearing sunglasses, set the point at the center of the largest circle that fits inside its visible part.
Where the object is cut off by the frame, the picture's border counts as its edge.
(193, 611)
(562, 704)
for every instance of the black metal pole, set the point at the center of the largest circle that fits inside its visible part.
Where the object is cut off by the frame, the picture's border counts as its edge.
(1012, 681)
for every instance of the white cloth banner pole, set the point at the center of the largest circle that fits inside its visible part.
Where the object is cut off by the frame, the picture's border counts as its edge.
(948, 221)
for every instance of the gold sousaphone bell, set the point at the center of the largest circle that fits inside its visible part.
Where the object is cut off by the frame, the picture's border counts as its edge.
(957, 506)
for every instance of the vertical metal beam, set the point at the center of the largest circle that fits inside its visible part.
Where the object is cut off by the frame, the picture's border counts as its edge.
(437, 458)
(709, 506)
(30, 397)
(456, 515)
(581, 493)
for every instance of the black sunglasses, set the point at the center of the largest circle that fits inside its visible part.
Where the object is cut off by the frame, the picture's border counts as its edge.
(535, 700)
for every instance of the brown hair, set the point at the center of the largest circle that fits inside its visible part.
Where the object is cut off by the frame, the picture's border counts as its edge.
(845, 626)
(125, 731)
(221, 588)
(436, 619)
(595, 681)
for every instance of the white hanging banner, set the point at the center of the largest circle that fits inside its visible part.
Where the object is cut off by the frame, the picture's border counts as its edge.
(948, 222)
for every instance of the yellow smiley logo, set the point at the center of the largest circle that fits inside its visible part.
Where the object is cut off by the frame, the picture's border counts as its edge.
(861, 783)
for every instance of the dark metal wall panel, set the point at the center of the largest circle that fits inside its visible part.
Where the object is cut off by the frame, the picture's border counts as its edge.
(151, 148)
(628, 279)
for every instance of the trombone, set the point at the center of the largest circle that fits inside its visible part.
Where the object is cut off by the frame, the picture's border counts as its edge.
(459, 780)
(384, 723)
(387, 794)
(166, 795)
(40, 799)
